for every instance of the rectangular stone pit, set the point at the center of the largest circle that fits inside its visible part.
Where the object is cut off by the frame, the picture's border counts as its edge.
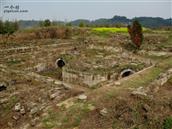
(83, 78)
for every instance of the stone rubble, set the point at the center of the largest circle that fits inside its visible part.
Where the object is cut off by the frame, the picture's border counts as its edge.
(82, 97)
(103, 112)
(40, 67)
(91, 107)
(54, 95)
(3, 101)
(161, 80)
(22, 110)
(34, 121)
(17, 107)
(139, 91)
(34, 110)
(16, 117)
(117, 83)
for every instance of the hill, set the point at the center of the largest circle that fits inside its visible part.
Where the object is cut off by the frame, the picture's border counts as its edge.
(151, 22)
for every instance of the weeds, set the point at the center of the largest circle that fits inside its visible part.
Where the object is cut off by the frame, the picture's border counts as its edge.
(167, 124)
(66, 119)
(11, 62)
(53, 32)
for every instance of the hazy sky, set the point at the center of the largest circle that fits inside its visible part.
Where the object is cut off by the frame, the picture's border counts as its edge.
(86, 9)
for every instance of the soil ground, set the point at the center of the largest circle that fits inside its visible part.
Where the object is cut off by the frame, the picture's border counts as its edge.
(29, 73)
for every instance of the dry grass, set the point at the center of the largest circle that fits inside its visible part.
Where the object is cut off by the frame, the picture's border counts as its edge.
(39, 33)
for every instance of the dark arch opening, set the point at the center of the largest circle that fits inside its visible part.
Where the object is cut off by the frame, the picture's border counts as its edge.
(126, 73)
(2, 87)
(60, 62)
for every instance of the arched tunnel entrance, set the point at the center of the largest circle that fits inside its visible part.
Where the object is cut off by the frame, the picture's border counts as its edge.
(60, 63)
(126, 73)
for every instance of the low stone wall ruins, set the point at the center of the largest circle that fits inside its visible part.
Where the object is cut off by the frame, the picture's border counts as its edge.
(161, 80)
(18, 50)
(72, 76)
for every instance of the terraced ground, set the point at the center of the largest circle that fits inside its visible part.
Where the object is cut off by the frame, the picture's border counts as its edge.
(89, 91)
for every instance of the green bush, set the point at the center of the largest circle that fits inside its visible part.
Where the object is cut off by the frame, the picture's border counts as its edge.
(81, 24)
(45, 23)
(167, 124)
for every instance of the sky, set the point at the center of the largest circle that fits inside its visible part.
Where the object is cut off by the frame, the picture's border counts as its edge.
(67, 10)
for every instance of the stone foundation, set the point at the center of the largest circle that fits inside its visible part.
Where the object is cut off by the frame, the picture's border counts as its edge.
(86, 79)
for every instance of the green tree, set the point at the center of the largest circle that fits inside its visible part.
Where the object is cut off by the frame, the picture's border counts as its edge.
(81, 24)
(8, 27)
(1, 27)
(16, 26)
(47, 22)
(69, 24)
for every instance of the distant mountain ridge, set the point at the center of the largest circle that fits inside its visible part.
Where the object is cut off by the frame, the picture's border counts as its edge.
(151, 22)
(145, 21)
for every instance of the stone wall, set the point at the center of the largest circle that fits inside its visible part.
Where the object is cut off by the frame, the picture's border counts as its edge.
(76, 77)
(18, 50)
(161, 80)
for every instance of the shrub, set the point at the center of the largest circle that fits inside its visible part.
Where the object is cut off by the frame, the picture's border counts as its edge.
(45, 23)
(167, 124)
(68, 33)
(69, 24)
(135, 32)
(81, 24)
(1, 27)
(53, 32)
(40, 33)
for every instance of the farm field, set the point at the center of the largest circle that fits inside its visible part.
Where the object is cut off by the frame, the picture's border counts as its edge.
(105, 83)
